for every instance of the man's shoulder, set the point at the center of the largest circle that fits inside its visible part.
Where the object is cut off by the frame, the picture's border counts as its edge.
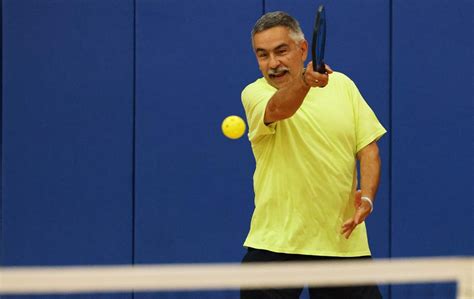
(256, 89)
(340, 80)
(341, 77)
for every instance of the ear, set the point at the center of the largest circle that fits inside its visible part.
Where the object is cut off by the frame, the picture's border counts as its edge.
(304, 49)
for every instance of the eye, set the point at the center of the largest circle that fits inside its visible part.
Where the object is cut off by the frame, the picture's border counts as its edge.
(262, 55)
(282, 51)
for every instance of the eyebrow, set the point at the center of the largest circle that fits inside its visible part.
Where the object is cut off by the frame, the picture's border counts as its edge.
(280, 47)
(275, 49)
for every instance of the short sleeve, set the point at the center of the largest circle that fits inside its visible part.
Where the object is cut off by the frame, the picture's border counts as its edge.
(254, 100)
(367, 126)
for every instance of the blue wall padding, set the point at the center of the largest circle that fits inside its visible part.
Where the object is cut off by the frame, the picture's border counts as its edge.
(433, 128)
(432, 134)
(67, 132)
(194, 193)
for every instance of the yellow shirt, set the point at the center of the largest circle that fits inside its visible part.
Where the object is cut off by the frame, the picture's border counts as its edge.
(305, 175)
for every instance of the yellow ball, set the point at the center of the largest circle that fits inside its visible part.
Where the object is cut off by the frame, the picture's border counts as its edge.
(233, 127)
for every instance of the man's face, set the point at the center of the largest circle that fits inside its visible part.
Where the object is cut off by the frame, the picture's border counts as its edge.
(280, 58)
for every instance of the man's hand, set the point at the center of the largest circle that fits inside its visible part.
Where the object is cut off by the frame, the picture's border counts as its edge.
(315, 79)
(362, 211)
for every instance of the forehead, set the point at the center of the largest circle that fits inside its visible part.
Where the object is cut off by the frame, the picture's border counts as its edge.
(272, 38)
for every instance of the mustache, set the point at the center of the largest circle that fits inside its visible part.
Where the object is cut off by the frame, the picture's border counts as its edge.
(280, 69)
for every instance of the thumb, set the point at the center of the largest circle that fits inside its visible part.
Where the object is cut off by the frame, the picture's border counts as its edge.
(358, 216)
(328, 69)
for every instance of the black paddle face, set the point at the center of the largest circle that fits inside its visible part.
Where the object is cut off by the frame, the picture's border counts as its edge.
(319, 41)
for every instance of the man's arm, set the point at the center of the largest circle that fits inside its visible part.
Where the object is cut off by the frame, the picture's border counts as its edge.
(288, 99)
(370, 177)
(369, 170)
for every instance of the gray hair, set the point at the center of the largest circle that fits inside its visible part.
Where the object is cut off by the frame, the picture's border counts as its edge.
(279, 18)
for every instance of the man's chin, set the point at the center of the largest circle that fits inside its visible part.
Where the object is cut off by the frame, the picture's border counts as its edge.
(278, 82)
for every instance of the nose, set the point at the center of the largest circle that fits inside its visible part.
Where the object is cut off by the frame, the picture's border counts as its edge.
(274, 62)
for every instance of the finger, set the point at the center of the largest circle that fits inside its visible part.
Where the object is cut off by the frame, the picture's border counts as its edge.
(311, 77)
(347, 226)
(349, 222)
(358, 217)
(348, 233)
(324, 83)
(315, 75)
(316, 81)
(345, 230)
(361, 213)
(328, 69)
(321, 79)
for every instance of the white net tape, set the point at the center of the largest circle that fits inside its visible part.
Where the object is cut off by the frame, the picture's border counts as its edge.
(68, 280)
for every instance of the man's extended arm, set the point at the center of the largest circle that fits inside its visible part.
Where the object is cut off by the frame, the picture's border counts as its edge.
(286, 101)
(369, 170)
(370, 177)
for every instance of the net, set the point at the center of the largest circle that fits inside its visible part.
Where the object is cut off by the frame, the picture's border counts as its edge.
(197, 277)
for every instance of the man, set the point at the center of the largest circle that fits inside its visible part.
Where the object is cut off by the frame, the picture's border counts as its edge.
(307, 131)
